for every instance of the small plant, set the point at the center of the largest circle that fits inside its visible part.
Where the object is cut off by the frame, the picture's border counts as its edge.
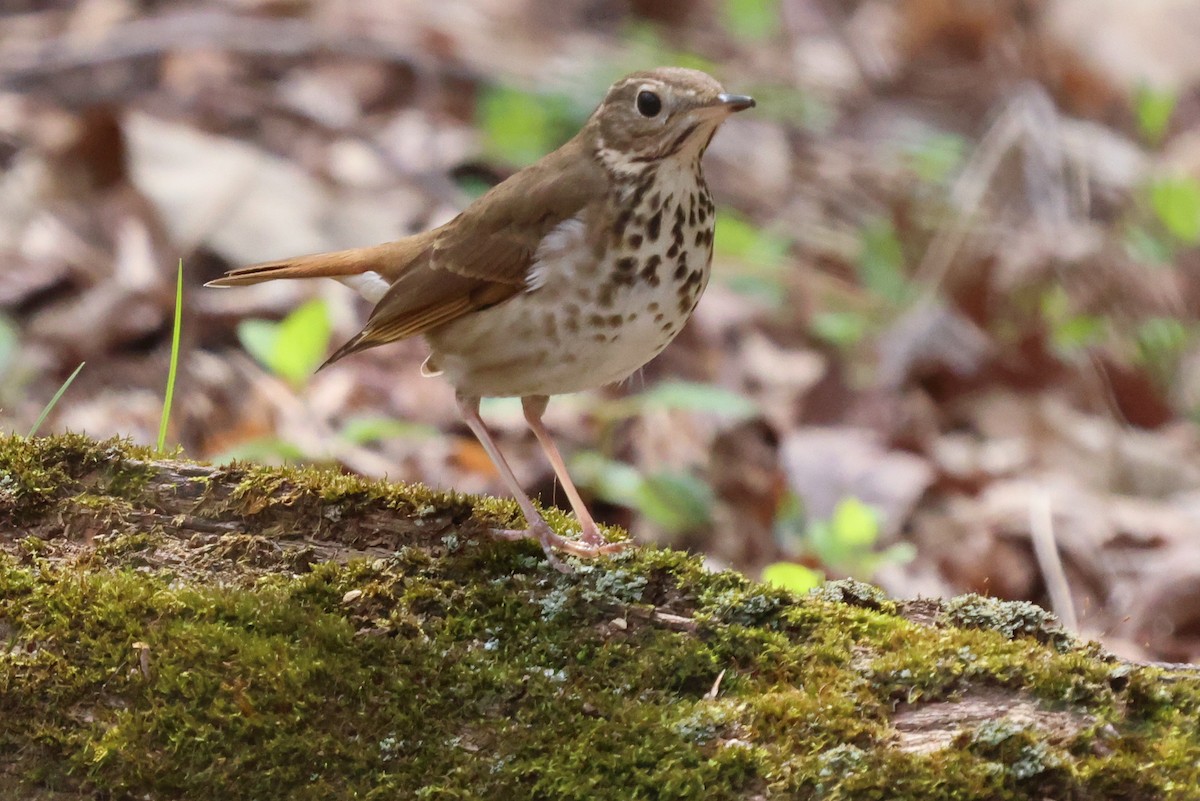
(174, 367)
(936, 158)
(1161, 342)
(520, 127)
(754, 257)
(847, 540)
(1176, 204)
(1154, 109)
(792, 576)
(844, 329)
(686, 396)
(264, 450)
(54, 400)
(1147, 246)
(881, 262)
(674, 501)
(886, 289)
(365, 429)
(293, 347)
(846, 543)
(1071, 333)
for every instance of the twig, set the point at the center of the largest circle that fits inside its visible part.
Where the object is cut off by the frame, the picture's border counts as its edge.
(1045, 548)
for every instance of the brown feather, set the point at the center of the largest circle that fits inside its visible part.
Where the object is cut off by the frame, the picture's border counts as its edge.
(496, 237)
(389, 260)
(484, 255)
(478, 259)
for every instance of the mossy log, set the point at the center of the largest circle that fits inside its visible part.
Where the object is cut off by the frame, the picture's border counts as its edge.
(172, 630)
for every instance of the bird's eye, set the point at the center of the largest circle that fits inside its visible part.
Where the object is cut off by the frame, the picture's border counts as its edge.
(648, 104)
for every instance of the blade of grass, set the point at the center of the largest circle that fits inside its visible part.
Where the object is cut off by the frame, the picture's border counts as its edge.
(172, 370)
(46, 411)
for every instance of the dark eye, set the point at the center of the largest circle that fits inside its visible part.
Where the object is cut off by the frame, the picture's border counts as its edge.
(648, 104)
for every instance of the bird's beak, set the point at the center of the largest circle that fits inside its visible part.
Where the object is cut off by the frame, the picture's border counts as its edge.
(735, 102)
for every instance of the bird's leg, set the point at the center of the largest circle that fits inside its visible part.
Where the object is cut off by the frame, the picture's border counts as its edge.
(535, 407)
(538, 527)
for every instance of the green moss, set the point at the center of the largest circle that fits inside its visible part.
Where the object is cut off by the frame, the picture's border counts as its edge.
(35, 473)
(858, 593)
(458, 667)
(1011, 618)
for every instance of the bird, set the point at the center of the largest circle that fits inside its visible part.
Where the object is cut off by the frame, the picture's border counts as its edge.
(569, 275)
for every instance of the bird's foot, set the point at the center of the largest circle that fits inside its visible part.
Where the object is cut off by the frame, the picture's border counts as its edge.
(589, 532)
(588, 547)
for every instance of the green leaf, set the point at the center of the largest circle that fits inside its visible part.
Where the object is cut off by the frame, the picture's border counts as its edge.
(303, 339)
(844, 328)
(791, 576)
(736, 238)
(847, 536)
(267, 450)
(1154, 108)
(612, 481)
(752, 20)
(676, 502)
(753, 258)
(767, 289)
(292, 348)
(899, 554)
(693, 396)
(520, 127)
(790, 521)
(54, 400)
(1152, 248)
(1160, 340)
(1176, 201)
(474, 186)
(855, 523)
(373, 428)
(1077, 333)
(881, 262)
(173, 368)
(866, 564)
(258, 337)
(1070, 333)
(935, 158)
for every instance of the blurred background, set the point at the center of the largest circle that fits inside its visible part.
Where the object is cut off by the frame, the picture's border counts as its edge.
(950, 343)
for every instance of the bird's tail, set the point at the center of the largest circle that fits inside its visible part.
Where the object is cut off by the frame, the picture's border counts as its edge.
(369, 270)
(340, 264)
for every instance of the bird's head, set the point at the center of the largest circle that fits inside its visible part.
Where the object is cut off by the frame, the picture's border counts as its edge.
(669, 112)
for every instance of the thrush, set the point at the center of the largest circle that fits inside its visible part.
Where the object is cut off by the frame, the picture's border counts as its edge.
(569, 275)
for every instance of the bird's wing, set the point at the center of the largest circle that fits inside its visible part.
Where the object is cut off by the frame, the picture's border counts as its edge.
(483, 256)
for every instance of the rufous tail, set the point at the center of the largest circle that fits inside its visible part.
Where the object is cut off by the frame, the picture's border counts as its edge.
(321, 265)
(379, 266)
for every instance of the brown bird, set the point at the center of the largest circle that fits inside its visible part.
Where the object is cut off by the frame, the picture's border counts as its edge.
(571, 274)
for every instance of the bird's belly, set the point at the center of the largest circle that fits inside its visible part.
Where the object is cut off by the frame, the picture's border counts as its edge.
(569, 334)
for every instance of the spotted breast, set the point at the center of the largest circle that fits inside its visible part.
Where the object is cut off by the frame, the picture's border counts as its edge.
(601, 299)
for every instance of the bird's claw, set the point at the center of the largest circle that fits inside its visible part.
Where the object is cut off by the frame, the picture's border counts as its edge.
(587, 547)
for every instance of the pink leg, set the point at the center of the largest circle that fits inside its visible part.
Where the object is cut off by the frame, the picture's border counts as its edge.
(535, 407)
(538, 527)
